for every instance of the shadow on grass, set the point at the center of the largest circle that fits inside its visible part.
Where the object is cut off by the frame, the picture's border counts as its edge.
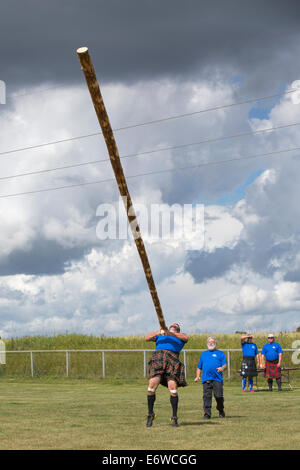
(198, 423)
(213, 420)
(274, 391)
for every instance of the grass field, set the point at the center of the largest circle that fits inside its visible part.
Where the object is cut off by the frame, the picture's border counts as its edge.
(124, 365)
(80, 341)
(62, 413)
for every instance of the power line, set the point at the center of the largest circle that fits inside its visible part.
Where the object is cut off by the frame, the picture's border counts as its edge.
(147, 152)
(218, 162)
(215, 108)
(61, 87)
(69, 139)
(19, 95)
(85, 136)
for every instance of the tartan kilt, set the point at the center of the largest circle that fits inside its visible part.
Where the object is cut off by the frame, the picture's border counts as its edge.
(248, 367)
(167, 365)
(272, 371)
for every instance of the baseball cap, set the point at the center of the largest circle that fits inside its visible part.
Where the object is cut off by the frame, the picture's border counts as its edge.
(270, 335)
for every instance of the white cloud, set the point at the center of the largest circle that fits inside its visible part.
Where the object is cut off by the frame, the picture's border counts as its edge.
(104, 290)
(222, 228)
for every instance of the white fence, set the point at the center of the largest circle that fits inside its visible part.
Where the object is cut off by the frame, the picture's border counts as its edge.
(67, 353)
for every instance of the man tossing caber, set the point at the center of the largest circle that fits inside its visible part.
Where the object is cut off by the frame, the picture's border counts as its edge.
(165, 368)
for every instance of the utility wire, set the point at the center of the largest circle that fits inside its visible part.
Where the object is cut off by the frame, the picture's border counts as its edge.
(19, 95)
(215, 108)
(251, 100)
(147, 152)
(70, 139)
(218, 162)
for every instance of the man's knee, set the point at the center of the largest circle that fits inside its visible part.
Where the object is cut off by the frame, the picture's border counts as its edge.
(152, 385)
(172, 386)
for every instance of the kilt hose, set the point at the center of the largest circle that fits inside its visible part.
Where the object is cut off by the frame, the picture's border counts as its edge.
(248, 367)
(167, 365)
(272, 371)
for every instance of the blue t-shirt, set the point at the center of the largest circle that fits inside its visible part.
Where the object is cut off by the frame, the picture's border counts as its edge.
(170, 343)
(209, 362)
(249, 349)
(271, 351)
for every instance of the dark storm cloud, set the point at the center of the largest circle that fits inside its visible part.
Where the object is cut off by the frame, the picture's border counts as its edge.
(292, 276)
(263, 252)
(203, 265)
(257, 255)
(140, 39)
(45, 257)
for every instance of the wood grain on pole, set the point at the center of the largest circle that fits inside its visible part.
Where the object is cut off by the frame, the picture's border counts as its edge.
(93, 86)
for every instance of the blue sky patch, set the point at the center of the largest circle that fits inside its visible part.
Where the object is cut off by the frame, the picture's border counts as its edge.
(260, 112)
(262, 109)
(238, 193)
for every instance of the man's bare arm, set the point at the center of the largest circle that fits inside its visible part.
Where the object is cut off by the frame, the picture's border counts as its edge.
(198, 374)
(180, 336)
(151, 336)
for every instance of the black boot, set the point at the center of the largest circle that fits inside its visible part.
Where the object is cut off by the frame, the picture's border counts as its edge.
(278, 381)
(270, 383)
(174, 421)
(150, 419)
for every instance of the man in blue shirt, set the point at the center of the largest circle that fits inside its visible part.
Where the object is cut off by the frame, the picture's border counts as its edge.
(271, 355)
(248, 366)
(165, 368)
(212, 363)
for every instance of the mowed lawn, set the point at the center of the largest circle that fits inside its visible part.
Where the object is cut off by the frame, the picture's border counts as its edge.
(58, 413)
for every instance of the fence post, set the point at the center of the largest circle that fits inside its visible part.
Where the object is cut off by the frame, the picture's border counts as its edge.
(31, 363)
(67, 363)
(228, 361)
(145, 364)
(184, 361)
(103, 364)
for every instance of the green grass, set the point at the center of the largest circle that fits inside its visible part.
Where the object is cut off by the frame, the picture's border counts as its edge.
(79, 341)
(123, 365)
(62, 413)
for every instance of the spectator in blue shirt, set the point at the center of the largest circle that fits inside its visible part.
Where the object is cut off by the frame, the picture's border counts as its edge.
(248, 366)
(271, 355)
(212, 363)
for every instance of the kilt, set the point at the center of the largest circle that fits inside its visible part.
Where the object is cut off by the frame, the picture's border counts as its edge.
(272, 371)
(248, 367)
(167, 365)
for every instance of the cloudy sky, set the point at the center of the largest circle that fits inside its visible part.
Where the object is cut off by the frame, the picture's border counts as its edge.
(154, 60)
